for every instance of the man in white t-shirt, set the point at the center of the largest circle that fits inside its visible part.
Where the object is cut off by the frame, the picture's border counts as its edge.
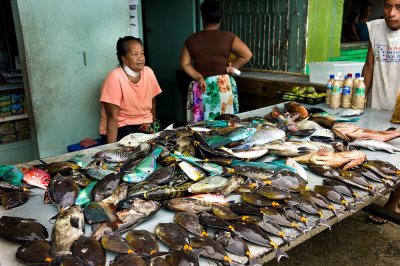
(381, 73)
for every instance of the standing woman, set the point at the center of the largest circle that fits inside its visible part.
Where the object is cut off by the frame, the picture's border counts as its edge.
(128, 94)
(214, 90)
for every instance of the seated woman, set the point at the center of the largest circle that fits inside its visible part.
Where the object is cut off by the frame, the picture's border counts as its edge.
(128, 94)
(214, 91)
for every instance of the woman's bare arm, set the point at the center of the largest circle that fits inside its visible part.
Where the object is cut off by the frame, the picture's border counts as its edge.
(112, 111)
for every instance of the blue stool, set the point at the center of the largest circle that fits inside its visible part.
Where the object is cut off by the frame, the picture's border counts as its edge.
(78, 147)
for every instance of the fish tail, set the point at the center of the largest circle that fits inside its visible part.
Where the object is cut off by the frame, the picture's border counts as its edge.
(254, 261)
(323, 221)
(280, 254)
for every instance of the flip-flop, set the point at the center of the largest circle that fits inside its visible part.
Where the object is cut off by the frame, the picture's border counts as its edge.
(376, 219)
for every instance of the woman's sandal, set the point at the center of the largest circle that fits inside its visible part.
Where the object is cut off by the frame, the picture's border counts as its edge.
(376, 219)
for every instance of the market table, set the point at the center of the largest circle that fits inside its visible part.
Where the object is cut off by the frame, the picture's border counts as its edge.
(34, 208)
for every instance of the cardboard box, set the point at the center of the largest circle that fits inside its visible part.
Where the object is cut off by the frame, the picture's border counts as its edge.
(320, 71)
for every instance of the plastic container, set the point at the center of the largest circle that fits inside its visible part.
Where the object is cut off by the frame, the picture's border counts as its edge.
(358, 100)
(396, 112)
(328, 88)
(320, 70)
(335, 94)
(347, 91)
(355, 82)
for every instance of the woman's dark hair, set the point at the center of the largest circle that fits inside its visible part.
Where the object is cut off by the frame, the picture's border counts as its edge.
(364, 10)
(351, 16)
(123, 46)
(211, 12)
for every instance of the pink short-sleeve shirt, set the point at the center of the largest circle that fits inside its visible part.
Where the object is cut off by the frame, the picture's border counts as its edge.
(134, 100)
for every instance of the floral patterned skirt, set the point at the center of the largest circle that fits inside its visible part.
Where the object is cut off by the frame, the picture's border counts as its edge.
(220, 97)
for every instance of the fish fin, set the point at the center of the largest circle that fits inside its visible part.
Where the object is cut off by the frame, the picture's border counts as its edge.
(391, 128)
(43, 162)
(280, 254)
(323, 221)
(254, 261)
(54, 217)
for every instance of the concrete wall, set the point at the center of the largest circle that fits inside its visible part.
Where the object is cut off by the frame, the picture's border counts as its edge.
(67, 49)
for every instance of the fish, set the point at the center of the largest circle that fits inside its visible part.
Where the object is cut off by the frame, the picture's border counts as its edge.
(374, 145)
(350, 112)
(233, 183)
(21, 229)
(135, 139)
(225, 212)
(320, 201)
(119, 194)
(288, 180)
(179, 257)
(69, 223)
(165, 192)
(144, 169)
(333, 195)
(250, 153)
(350, 132)
(11, 174)
(97, 170)
(63, 191)
(14, 198)
(208, 185)
(161, 175)
(253, 233)
(190, 222)
(105, 187)
(59, 167)
(255, 199)
(263, 136)
(119, 155)
(296, 108)
(172, 235)
(187, 205)
(300, 169)
(185, 146)
(193, 172)
(240, 133)
(35, 252)
(116, 243)
(343, 189)
(142, 241)
(211, 248)
(89, 250)
(211, 198)
(129, 259)
(213, 221)
(36, 177)
(273, 193)
(346, 159)
(290, 149)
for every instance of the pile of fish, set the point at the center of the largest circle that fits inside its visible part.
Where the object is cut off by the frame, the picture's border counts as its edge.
(194, 171)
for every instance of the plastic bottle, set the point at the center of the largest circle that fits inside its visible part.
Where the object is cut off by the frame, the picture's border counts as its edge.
(358, 100)
(328, 88)
(347, 91)
(355, 82)
(334, 101)
(396, 112)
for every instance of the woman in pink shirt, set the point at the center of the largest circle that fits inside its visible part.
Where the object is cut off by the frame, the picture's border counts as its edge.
(128, 94)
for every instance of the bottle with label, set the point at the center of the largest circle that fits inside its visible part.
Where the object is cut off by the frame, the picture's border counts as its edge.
(347, 91)
(328, 88)
(334, 101)
(358, 100)
(355, 82)
(396, 112)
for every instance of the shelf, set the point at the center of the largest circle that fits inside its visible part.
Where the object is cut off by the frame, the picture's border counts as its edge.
(13, 117)
(4, 86)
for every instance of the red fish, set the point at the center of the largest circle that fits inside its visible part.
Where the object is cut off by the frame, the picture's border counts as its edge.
(36, 177)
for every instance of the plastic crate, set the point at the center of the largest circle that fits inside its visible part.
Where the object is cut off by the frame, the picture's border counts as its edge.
(301, 99)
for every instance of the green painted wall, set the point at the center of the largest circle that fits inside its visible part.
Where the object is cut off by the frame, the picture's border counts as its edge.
(67, 48)
(168, 24)
(324, 29)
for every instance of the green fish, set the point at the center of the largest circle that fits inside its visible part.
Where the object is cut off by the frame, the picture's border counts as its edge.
(270, 166)
(11, 174)
(145, 168)
(84, 196)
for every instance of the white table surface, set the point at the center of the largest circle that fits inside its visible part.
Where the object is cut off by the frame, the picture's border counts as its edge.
(36, 209)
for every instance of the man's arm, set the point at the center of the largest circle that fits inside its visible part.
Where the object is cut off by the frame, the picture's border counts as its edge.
(368, 69)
